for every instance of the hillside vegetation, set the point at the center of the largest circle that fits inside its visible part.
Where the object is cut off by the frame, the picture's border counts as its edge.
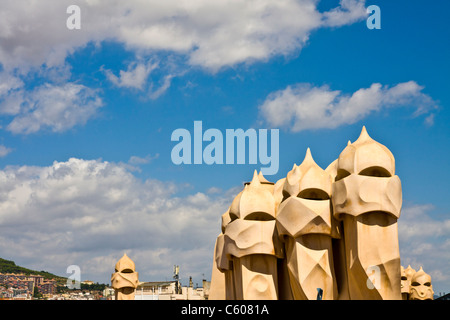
(8, 266)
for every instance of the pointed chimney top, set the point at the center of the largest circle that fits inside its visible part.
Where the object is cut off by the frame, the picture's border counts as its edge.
(255, 180)
(125, 263)
(364, 136)
(261, 177)
(308, 161)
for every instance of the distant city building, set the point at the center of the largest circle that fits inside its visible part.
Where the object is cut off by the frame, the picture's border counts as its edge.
(443, 297)
(23, 285)
(37, 279)
(166, 290)
(126, 286)
(16, 286)
(47, 287)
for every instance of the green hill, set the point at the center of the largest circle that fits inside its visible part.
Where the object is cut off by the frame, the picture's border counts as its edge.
(8, 266)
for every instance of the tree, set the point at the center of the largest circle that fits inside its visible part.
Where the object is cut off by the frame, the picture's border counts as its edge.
(36, 293)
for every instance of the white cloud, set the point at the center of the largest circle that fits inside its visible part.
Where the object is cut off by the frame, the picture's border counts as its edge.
(212, 34)
(135, 160)
(8, 83)
(156, 93)
(411, 230)
(302, 106)
(349, 11)
(55, 107)
(10, 93)
(425, 241)
(89, 212)
(135, 76)
(4, 151)
(208, 34)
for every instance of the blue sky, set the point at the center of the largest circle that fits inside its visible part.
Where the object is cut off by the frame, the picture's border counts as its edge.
(109, 96)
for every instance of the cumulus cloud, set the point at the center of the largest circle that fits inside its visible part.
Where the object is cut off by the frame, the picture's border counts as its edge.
(200, 33)
(212, 34)
(348, 12)
(135, 76)
(90, 212)
(57, 107)
(9, 83)
(303, 106)
(4, 151)
(424, 241)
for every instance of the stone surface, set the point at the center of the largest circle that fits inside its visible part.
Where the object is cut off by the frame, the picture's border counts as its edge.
(125, 279)
(420, 286)
(332, 232)
(306, 225)
(367, 198)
